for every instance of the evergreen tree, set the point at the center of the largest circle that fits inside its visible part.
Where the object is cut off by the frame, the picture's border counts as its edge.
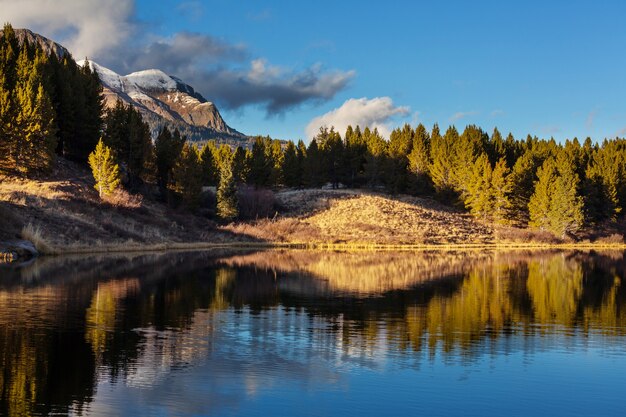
(539, 205)
(105, 171)
(522, 182)
(187, 175)
(397, 163)
(332, 155)
(442, 154)
(556, 204)
(275, 157)
(260, 164)
(375, 157)
(291, 166)
(313, 166)
(9, 50)
(354, 155)
(604, 178)
(224, 155)
(227, 194)
(167, 149)
(301, 161)
(129, 137)
(501, 188)
(34, 148)
(419, 161)
(209, 166)
(466, 150)
(240, 166)
(566, 207)
(479, 195)
(90, 122)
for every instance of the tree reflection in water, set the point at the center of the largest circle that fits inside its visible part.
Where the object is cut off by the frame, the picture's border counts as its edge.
(70, 325)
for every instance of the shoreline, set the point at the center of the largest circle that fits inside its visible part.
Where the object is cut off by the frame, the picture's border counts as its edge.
(192, 246)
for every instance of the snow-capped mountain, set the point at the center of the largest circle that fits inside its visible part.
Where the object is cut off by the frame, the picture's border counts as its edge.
(162, 99)
(165, 100)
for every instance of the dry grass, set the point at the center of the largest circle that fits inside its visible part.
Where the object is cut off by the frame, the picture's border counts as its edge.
(121, 198)
(35, 235)
(63, 213)
(358, 217)
(66, 213)
(516, 235)
(612, 239)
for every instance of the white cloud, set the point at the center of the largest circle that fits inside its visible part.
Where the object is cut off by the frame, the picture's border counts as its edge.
(108, 32)
(372, 113)
(85, 27)
(462, 114)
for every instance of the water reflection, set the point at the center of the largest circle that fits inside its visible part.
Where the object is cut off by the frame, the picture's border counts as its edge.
(202, 333)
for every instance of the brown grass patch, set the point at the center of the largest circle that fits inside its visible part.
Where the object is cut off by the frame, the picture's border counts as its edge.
(121, 198)
(35, 235)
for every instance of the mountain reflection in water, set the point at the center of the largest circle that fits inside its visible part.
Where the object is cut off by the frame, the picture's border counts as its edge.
(213, 332)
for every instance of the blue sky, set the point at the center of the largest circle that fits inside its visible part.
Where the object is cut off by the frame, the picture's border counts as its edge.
(546, 68)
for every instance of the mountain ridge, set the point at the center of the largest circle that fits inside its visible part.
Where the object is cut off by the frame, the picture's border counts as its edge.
(165, 100)
(162, 99)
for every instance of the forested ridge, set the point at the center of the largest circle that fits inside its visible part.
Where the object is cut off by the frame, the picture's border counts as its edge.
(51, 107)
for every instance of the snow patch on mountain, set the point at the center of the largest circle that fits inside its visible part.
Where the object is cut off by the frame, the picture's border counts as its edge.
(153, 79)
(162, 98)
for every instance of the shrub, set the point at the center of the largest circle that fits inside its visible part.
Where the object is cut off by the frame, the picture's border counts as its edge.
(255, 203)
(123, 199)
(35, 235)
(614, 238)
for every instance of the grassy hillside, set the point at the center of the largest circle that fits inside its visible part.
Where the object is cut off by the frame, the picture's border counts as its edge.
(62, 213)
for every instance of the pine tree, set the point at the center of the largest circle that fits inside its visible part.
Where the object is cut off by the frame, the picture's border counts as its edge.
(604, 178)
(9, 51)
(167, 146)
(332, 155)
(90, 121)
(291, 168)
(442, 154)
(555, 205)
(210, 171)
(501, 190)
(34, 148)
(227, 194)
(105, 171)
(313, 166)
(419, 162)
(399, 148)
(375, 157)
(466, 150)
(354, 155)
(566, 209)
(129, 137)
(187, 175)
(224, 156)
(479, 195)
(539, 205)
(240, 166)
(260, 164)
(301, 161)
(522, 182)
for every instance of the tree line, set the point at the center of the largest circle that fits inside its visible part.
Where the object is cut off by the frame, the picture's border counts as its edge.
(532, 182)
(50, 106)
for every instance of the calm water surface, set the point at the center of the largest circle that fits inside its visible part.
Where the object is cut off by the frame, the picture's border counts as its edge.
(315, 334)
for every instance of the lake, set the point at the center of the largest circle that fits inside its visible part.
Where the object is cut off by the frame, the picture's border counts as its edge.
(245, 333)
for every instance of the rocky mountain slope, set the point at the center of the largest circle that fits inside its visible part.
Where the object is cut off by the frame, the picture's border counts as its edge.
(165, 100)
(162, 99)
(49, 46)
